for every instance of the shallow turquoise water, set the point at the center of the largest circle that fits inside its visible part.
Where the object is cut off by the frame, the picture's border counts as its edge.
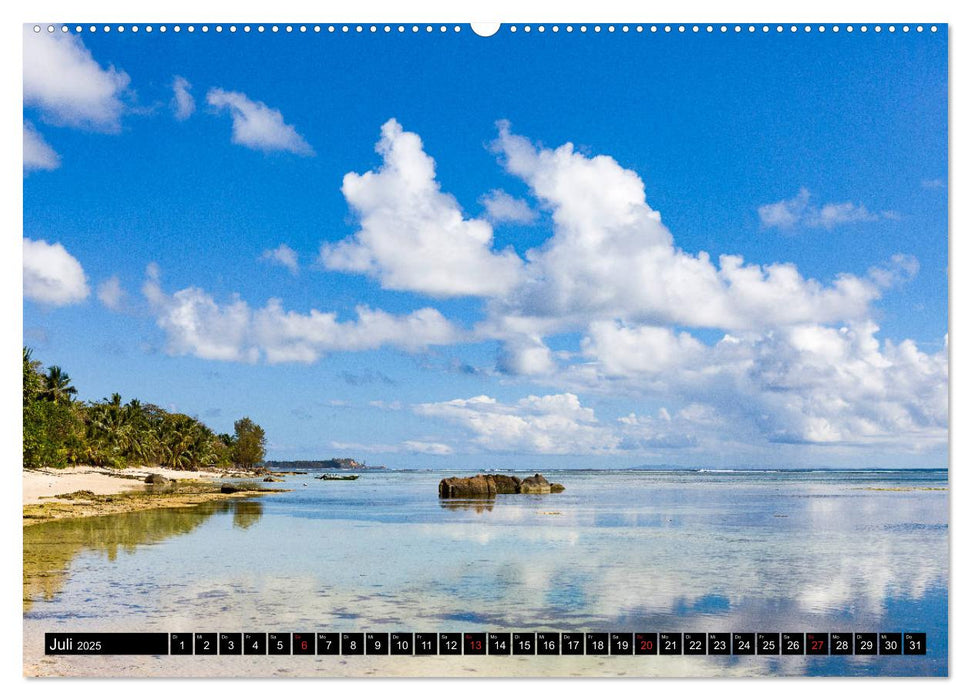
(617, 551)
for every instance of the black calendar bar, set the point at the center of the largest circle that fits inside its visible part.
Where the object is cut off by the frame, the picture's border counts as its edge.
(103, 643)
(488, 643)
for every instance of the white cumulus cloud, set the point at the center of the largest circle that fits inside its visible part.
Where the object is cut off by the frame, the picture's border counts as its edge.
(793, 360)
(526, 354)
(111, 293)
(501, 207)
(786, 213)
(664, 431)
(196, 324)
(900, 268)
(789, 214)
(256, 125)
(38, 155)
(612, 272)
(183, 104)
(52, 276)
(427, 448)
(648, 350)
(611, 257)
(559, 424)
(801, 384)
(832, 215)
(552, 424)
(282, 255)
(64, 81)
(438, 449)
(412, 235)
(841, 385)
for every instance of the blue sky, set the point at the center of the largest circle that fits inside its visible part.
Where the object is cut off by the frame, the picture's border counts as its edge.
(527, 303)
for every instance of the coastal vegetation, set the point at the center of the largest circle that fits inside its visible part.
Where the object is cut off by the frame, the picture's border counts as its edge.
(60, 430)
(249, 443)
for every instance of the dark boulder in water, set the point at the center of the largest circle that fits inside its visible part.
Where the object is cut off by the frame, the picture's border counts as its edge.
(478, 486)
(488, 485)
(155, 479)
(505, 484)
(228, 488)
(534, 484)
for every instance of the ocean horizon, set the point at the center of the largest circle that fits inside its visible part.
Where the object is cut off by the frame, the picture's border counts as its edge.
(637, 468)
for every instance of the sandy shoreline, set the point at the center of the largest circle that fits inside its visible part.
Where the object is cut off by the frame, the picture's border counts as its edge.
(42, 487)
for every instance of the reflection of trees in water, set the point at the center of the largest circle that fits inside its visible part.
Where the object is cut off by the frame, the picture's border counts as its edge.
(479, 505)
(50, 547)
(245, 513)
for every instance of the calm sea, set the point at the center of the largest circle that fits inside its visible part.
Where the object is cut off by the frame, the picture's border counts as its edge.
(668, 551)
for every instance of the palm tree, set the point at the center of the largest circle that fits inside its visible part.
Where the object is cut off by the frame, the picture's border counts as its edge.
(33, 382)
(57, 385)
(183, 442)
(134, 409)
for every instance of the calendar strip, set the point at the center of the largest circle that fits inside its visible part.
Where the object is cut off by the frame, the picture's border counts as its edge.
(488, 643)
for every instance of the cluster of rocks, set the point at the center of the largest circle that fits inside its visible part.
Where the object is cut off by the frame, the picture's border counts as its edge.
(488, 485)
(538, 484)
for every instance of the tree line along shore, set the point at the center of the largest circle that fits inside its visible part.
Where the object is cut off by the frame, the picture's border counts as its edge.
(92, 450)
(60, 431)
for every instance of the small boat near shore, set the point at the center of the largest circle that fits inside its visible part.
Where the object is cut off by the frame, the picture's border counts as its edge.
(337, 477)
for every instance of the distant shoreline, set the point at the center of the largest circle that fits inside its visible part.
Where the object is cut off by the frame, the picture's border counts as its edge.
(665, 469)
(334, 464)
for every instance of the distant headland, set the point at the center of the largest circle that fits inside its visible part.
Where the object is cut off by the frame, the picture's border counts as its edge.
(333, 464)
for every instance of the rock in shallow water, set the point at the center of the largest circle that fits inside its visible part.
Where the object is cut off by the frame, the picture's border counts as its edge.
(534, 484)
(478, 486)
(488, 485)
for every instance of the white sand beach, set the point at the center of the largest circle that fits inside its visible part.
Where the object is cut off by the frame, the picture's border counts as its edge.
(43, 485)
